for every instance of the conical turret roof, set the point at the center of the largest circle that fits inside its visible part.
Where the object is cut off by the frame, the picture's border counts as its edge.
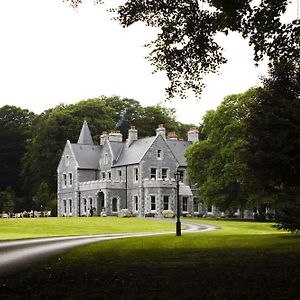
(85, 137)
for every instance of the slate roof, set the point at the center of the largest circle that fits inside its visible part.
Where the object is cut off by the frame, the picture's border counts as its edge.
(178, 149)
(135, 152)
(87, 156)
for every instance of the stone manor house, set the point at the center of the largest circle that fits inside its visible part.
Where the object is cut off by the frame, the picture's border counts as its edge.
(137, 174)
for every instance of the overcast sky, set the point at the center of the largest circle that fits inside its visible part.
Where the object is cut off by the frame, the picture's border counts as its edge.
(52, 54)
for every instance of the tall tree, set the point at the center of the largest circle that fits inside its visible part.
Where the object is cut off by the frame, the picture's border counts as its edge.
(272, 154)
(186, 48)
(215, 163)
(14, 131)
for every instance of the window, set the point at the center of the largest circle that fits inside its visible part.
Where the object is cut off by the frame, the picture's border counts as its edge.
(153, 202)
(84, 205)
(166, 202)
(184, 203)
(114, 204)
(65, 206)
(159, 154)
(153, 173)
(64, 180)
(136, 203)
(103, 175)
(70, 179)
(120, 174)
(70, 206)
(164, 173)
(109, 175)
(91, 202)
(196, 206)
(136, 174)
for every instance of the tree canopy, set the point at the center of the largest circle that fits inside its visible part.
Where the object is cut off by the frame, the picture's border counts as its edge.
(186, 47)
(15, 126)
(215, 163)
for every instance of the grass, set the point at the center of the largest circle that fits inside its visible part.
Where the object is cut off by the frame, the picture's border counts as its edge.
(47, 227)
(242, 260)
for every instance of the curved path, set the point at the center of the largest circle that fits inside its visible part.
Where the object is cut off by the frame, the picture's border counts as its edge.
(18, 255)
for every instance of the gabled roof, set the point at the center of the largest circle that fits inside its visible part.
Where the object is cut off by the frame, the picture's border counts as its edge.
(85, 137)
(178, 149)
(87, 156)
(135, 152)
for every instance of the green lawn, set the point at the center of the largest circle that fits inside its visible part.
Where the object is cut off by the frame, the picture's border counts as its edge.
(242, 260)
(47, 227)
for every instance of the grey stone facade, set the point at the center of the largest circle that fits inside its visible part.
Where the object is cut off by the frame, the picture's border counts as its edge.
(137, 174)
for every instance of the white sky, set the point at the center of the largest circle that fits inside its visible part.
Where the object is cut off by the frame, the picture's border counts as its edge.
(52, 54)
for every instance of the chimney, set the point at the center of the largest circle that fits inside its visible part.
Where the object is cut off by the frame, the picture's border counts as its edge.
(161, 130)
(103, 137)
(193, 135)
(115, 136)
(132, 135)
(172, 136)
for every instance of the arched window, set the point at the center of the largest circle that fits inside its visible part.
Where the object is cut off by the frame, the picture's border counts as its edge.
(114, 204)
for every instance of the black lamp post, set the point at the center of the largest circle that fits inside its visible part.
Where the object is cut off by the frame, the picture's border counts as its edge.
(178, 224)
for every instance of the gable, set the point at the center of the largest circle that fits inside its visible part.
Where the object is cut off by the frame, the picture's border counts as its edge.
(68, 158)
(160, 153)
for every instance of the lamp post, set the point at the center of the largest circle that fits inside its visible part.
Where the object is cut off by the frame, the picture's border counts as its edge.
(178, 224)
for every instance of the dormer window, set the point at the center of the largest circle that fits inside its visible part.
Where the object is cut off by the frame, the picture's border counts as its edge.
(159, 154)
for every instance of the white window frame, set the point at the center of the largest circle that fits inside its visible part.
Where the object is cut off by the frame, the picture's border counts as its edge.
(159, 154)
(90, 202)
(166, 176)
(70, 178)
(155, 204)
(70, 206)
(64, 180)
(135, 174)
(136, 203)
(186, 204)
(168, 202)
(120, 175)
(155, 178)
(65, 206)
(84, 205)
